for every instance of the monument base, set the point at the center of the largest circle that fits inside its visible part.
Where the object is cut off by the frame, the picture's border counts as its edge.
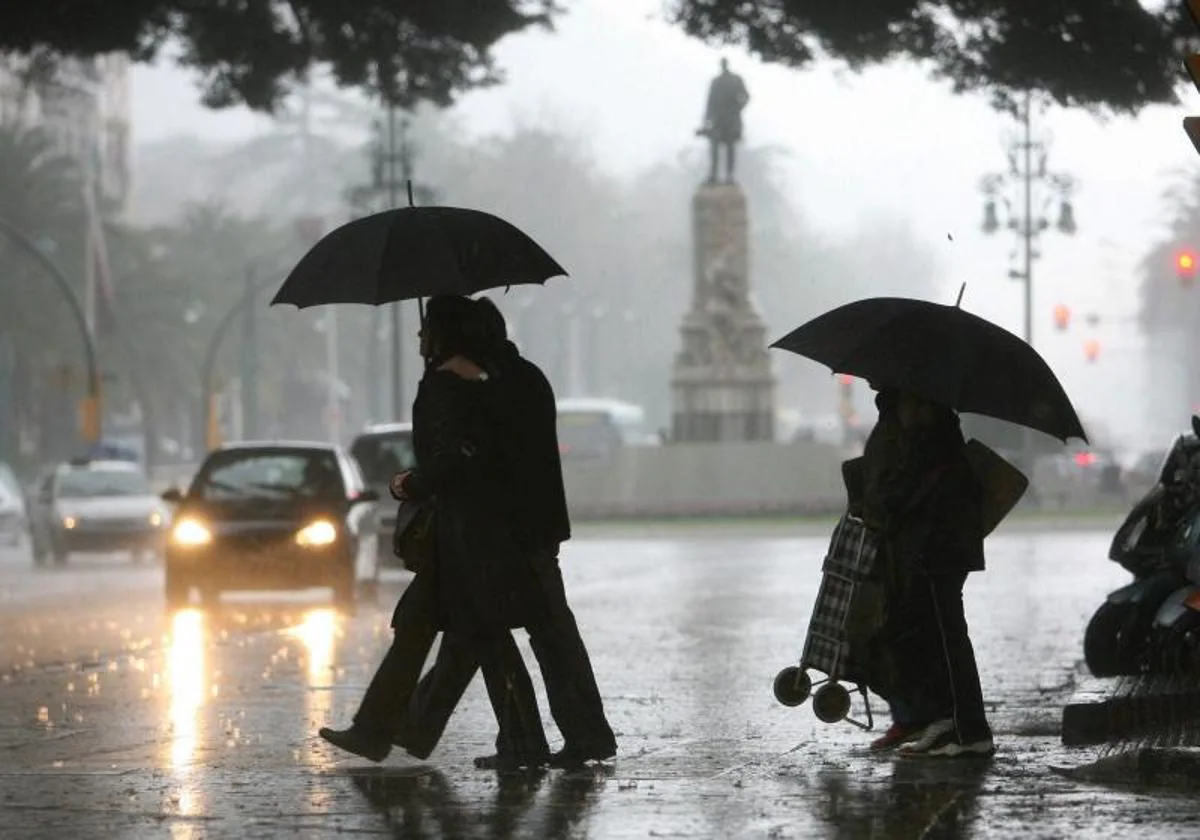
(723, 390)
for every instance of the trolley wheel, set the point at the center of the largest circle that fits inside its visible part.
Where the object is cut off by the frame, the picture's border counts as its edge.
(792, 686)
(831, 703)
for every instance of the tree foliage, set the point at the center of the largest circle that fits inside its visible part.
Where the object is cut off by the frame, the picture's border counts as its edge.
(1097, 54)
(253, 51)
(1113, 55)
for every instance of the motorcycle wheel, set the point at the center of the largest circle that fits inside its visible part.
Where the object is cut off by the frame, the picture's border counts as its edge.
(1104, 649)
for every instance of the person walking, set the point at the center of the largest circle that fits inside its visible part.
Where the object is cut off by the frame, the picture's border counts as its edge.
(542, 525)
(481, 582)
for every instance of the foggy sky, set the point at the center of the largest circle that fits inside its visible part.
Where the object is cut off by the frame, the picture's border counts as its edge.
(888, 139)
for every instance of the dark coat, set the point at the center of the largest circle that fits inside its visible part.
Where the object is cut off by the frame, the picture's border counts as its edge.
(542, 520)
(882, 458)
(931, 503)
(481, 574)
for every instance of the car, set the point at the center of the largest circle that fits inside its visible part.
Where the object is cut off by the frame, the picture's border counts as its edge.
(87, 507)
(381, 451)
(12, 515)
(1078, 478)
(272, 516)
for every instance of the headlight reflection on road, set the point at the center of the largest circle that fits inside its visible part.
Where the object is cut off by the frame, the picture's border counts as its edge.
(318, 633)
(186, 681)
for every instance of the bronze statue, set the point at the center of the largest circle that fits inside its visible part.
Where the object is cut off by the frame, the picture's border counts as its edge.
(727, 96)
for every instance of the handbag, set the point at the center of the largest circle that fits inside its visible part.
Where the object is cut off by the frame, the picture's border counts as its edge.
(1002, 483)
(415, 539)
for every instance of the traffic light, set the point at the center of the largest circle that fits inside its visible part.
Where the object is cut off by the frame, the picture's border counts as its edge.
(1191, 62)
(1091, 349)
(1062, 317)
(1185, 265)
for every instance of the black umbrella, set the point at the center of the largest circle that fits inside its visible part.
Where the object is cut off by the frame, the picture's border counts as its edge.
(415, 252)
(941, 353)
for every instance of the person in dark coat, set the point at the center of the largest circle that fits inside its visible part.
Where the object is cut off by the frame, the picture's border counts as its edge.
(931, 511)
(542, 524)
(481, 582)
(883, 457)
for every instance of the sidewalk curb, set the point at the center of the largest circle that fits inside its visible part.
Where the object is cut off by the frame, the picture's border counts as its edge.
(1148, 766)
(1122, 708)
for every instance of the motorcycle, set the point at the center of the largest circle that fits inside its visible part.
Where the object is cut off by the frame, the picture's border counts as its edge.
(1127, 634)
(1175, 635)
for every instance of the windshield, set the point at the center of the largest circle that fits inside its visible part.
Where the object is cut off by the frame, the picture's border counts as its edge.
(380, 457)
(270, 475)
(82, 484)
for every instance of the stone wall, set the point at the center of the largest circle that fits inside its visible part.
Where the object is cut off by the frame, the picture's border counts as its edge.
(695, 479)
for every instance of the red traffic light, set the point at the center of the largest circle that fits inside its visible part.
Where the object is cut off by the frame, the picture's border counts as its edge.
(1091, 349)
(1185, 262)
(1062, 316)
(845, 378)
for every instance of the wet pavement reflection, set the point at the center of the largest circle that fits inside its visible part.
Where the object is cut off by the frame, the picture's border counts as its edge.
(121, 720)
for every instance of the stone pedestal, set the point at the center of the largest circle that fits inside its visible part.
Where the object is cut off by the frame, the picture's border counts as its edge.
(722, 387)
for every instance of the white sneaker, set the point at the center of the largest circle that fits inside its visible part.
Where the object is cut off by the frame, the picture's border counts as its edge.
(930, 736)
(947, 745)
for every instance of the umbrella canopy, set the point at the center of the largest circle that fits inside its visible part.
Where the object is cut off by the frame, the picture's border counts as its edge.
(415, 252)
(941, 353)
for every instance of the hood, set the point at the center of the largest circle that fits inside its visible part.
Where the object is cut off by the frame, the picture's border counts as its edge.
(109, 507)
(257, 512)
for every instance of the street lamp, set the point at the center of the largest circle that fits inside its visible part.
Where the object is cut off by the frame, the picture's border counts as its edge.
(1028, 223)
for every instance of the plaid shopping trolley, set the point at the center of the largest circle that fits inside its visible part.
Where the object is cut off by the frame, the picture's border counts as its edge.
(827, 648)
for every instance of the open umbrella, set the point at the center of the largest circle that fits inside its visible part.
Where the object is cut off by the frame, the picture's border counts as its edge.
(415, 252)
(941, 353)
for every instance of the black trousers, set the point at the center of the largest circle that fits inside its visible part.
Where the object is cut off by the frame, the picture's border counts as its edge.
(943, 677)
(509, 686)
(566, 669)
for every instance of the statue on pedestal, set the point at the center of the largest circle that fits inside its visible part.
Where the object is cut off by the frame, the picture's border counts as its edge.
(727, 96)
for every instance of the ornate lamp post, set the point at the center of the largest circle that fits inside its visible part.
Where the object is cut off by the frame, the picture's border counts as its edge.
(1027, 169)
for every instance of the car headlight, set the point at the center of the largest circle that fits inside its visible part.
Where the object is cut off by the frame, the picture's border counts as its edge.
(321, 532)
(191, 532)
(155, 519)
(69, 522)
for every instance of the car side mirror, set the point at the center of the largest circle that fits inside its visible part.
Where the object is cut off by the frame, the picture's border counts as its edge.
(172, 495)
(363, 496)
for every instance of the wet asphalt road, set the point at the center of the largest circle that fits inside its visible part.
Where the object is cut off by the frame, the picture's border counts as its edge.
(121, 721)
